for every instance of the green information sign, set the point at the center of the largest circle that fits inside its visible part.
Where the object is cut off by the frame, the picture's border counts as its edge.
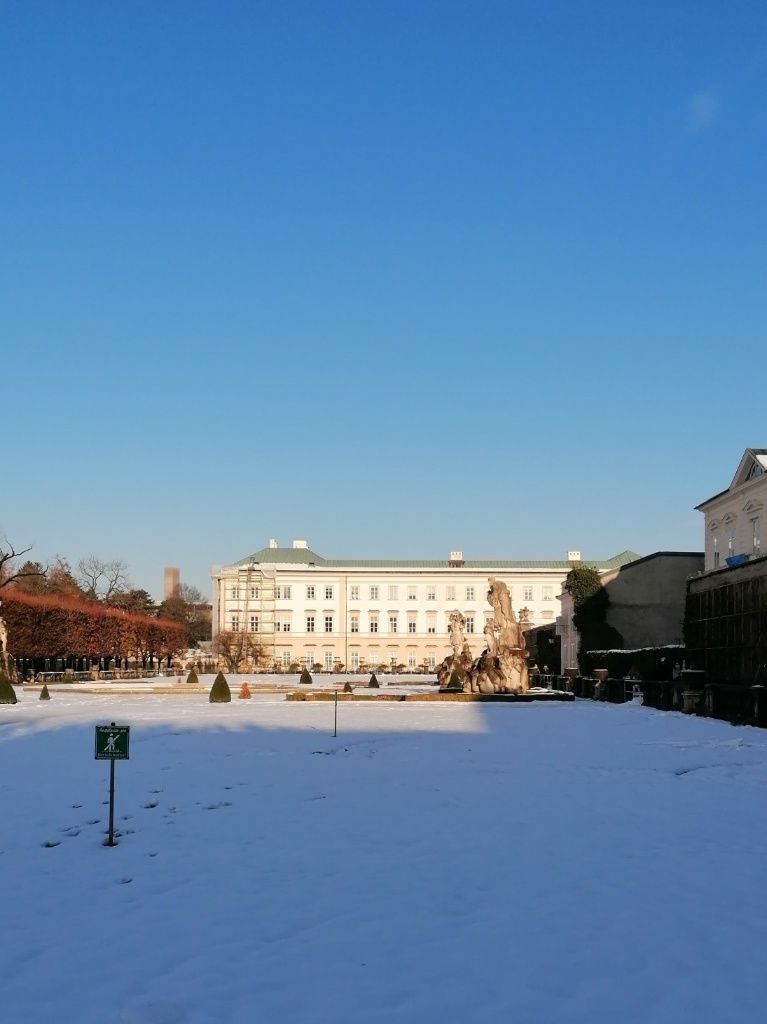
(112, 742)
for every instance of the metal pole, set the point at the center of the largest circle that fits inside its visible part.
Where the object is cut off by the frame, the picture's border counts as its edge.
(335, 714)
(111, 841)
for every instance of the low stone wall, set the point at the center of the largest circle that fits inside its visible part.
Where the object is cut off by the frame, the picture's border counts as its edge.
(730, 702)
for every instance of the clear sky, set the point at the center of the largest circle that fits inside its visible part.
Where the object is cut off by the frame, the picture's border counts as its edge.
(395, 277)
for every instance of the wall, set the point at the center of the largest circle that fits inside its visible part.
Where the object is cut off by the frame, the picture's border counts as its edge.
(647, 598)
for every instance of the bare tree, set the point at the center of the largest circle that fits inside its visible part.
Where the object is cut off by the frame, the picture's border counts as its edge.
(102, 580)
(11, 568)
(191, 594)
(238, 648)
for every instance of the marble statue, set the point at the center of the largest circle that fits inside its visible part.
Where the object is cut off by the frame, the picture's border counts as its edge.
(502, 666)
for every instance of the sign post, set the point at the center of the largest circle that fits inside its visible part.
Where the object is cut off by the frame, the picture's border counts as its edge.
(335, 715)
(112, 744)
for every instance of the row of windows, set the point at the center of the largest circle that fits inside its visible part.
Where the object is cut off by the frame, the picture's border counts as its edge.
(284, 624)
(284, 592)
(756, 541)
(329, 660)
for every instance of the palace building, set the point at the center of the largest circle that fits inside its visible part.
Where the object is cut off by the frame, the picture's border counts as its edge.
(304, 609)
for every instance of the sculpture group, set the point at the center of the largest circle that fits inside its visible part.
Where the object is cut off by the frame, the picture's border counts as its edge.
(502, 666)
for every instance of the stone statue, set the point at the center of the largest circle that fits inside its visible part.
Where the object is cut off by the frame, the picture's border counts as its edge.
(455, 628)
(4, 663)
(502, 666)
(492, 643)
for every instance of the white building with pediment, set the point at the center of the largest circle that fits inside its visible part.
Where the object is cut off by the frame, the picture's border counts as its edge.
(735, 518)
(360, 613)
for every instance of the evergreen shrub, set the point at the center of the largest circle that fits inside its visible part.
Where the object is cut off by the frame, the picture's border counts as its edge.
(44, 695)
(373, 684)
(348, 687)
(192, 679)
(220, 692)
(306, 678)
(7, 692)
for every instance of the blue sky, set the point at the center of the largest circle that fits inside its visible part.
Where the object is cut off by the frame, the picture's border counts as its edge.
(397, 278)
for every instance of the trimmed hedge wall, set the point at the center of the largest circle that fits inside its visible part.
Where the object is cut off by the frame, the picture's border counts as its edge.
(645, 663)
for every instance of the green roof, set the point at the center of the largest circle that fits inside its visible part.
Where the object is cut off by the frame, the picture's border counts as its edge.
(305, 556)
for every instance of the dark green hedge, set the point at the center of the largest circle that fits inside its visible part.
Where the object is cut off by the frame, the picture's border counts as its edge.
(646, 663)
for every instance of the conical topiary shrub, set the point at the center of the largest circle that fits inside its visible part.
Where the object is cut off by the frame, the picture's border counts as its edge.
(245, 693)
(192, 679)
(454, 683)
(7, 692)
(348, 687)
(306, 678)
(373, 684)
(44, 695)
(219, 691)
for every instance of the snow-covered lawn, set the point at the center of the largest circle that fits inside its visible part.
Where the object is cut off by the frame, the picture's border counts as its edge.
(540, 864)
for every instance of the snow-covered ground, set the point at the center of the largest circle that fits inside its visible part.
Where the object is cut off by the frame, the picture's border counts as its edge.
(539, 863)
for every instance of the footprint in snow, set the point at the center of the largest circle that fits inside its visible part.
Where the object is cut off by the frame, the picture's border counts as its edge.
(150, 805)
(93, 821)
(50, 843)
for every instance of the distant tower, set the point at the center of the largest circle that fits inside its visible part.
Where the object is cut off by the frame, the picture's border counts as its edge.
(171, 582)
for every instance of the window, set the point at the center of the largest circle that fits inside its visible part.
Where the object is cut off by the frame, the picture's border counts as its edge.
(432, 660)
(328, 623)
(450, 593)
(235, 593)
(431, 622)
(282, 624)
(469, 623)
(235, 624)
(431, 592)
(311, 592)
(548, 593)
(411, 662)
(716, 552)
(412, 594)
(470, 593)
(393, 623)
(374, 622)
(527, 594)
(374, 593)
(282, 592)
(309, 658)
(756, 541)
(730, 540)
(375, 657)
(309, 623)
(354, 622)
(393, 661)
(254, 623)
(354, 660)
(329, 593)
(285, 659)
(393, 593)
(254, 593)
(411, 622)
(328, 661)
(354, 595)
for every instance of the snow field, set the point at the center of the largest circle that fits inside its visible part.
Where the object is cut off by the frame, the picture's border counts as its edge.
(434, 863)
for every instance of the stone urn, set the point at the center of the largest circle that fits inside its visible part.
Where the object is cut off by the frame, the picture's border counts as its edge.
(690, 700)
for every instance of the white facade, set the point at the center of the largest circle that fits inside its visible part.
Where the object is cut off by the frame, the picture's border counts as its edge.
(735, 519)
(307, 610)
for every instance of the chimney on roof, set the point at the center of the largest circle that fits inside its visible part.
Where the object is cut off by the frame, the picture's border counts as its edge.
(573, 556)
(456, 558)
(273, 543)
(300, 544)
